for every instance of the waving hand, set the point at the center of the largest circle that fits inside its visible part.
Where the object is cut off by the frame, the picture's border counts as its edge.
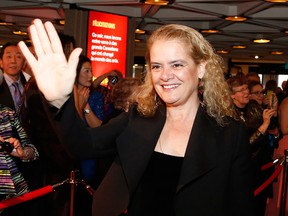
(54, 75)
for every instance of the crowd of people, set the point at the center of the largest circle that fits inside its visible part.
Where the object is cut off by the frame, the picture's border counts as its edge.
(185, 140)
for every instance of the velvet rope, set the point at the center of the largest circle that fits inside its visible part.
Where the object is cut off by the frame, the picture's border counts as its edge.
(271, 164)
(25, 197)
(269, 180)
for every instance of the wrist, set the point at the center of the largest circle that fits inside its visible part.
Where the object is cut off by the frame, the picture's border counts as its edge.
(261, 131)
(86, 111)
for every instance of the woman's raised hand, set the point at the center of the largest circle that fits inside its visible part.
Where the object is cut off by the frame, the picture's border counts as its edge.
(54, 75)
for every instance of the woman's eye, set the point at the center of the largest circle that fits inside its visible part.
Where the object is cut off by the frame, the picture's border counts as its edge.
(177, 66)
(155, 67)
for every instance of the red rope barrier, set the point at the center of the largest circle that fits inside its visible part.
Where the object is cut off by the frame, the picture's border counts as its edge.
(26, 197)
(269, 180)
(270, 164)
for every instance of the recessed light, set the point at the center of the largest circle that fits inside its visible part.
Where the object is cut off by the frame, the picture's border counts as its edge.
(157, 2)
(236, 18)
(277, 53)
(239, 47)
(6, 23)
(210, 31)
(277, 1)
(140, 31)
(20, 33)
(222, 51)
(261, 40)
(60, 21)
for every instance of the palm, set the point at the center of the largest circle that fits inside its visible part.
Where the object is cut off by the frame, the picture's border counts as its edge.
(54, 75)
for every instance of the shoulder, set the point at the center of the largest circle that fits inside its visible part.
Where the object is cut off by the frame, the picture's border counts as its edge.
(5, 109)
(284, 103)
(6, 113)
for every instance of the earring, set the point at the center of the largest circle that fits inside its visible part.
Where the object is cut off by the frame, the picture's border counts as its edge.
(200, 89)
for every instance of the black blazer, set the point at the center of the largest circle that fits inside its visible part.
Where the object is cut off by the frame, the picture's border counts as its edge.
(215, 179)
(6, 98)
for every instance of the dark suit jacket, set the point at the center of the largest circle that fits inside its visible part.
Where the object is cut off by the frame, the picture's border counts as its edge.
(6, 98)
(215, 178)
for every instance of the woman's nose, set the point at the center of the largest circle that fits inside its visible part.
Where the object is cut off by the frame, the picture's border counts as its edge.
(167, 73)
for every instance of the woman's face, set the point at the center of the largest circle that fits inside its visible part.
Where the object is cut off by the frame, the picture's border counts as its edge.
(257, 93)
(85, 75)
(240, 95)
(174, 73)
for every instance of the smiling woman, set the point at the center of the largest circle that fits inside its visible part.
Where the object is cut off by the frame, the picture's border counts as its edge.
(169, 129)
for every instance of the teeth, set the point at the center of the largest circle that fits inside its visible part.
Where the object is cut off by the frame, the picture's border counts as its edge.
(169, 86)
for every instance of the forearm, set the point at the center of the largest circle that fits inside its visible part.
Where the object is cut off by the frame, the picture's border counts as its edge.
(81, 141)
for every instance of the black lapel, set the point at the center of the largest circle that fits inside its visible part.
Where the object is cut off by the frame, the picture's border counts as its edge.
(5, 95)
(136, 145)
(201, 150)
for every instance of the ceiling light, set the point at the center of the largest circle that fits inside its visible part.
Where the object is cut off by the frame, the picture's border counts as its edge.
(20, 33)
(277, 53)
(261, 40)
(277, 1)
(157, 2)
(210, 31)
(222, 51)
(6, 23)
(60, 21)
(258, 57)
(239, 47)
(286, 31)
(236, 18)
(140, 31)
(137, 40)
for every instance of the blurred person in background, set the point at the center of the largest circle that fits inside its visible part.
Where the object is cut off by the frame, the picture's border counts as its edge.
(257, 120)
(11, 63)
(15, 149)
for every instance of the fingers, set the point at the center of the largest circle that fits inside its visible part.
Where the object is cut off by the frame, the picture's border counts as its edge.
(30, 58)
(269, 112)
(73, 61)
(35, 38)
(41, 36)
(54, 38)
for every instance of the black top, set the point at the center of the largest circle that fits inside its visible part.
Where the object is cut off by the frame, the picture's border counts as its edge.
(155, 193)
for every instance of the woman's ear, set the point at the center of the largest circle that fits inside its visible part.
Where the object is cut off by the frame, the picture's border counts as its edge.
(201, 69)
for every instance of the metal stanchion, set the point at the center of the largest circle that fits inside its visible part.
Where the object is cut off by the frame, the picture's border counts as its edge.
(73, 181)
(284, 185)
(72, 192)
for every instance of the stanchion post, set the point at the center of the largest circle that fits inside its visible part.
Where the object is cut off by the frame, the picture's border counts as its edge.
(72, 192)
(284, 185)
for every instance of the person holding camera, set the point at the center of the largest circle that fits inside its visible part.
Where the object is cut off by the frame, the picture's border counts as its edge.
(14, 145)
(112, 77)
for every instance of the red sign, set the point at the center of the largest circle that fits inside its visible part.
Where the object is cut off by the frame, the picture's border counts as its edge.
(106, 44)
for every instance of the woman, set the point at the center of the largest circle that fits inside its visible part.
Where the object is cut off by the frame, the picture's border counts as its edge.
(89, 105)
(176, 155)
(12, 182)
(257, 121)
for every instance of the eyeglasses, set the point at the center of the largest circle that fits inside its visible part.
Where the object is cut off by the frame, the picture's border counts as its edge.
(241, 90)
(258, 93)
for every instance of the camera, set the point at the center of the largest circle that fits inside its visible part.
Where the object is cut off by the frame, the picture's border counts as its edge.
(6, 147)
(114, 80)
